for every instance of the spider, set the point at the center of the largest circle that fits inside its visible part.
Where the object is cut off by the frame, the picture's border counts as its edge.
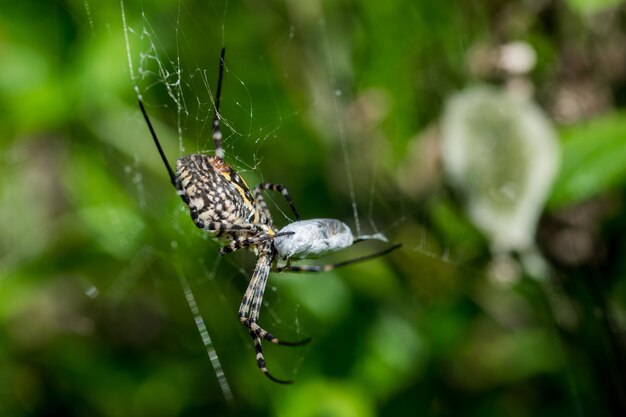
(221, 203)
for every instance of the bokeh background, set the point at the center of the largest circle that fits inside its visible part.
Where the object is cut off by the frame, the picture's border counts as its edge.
(488, 137)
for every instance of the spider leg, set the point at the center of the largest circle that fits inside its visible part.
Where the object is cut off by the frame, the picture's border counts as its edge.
(258, 195)
(219, 228)
(251, 305)
(158, 144)
(253, 297)
(325, 268)
(261, 231)
(260, 360)
(244, 242)
(217, 132)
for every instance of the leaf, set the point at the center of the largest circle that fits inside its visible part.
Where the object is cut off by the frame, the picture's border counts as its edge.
(593, 160)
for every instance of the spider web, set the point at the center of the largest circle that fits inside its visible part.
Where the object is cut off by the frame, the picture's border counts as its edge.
(177, 85)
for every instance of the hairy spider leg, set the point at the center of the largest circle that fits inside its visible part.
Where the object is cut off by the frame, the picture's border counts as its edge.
(255, 304)
(251, 305)
(258, 195)
(325, 268)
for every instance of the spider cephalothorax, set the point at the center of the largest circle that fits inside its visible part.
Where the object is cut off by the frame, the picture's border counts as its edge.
(221, 203)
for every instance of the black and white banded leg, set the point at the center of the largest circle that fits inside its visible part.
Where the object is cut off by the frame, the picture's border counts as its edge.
(260, 201)
(244, 242)
(250, 307)
(217, 132)
(219, 228)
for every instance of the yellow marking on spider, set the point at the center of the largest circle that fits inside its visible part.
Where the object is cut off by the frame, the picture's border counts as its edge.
(243, 192)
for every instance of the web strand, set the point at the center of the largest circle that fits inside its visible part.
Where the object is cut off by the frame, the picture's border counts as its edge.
(204, 335)
(340, 127)
(128, 54)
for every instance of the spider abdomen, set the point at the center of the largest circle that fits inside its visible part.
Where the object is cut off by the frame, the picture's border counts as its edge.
(214, 191)
(312, 238)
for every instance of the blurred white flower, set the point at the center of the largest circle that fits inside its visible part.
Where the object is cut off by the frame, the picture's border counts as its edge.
(502, 153)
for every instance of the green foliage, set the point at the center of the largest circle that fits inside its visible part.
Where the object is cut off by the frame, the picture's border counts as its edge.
(594, 159)
(94, 242)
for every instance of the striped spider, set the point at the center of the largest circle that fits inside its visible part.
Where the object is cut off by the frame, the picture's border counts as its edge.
(221, 203)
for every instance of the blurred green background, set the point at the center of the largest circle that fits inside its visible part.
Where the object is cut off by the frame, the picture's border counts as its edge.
(342, 102)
